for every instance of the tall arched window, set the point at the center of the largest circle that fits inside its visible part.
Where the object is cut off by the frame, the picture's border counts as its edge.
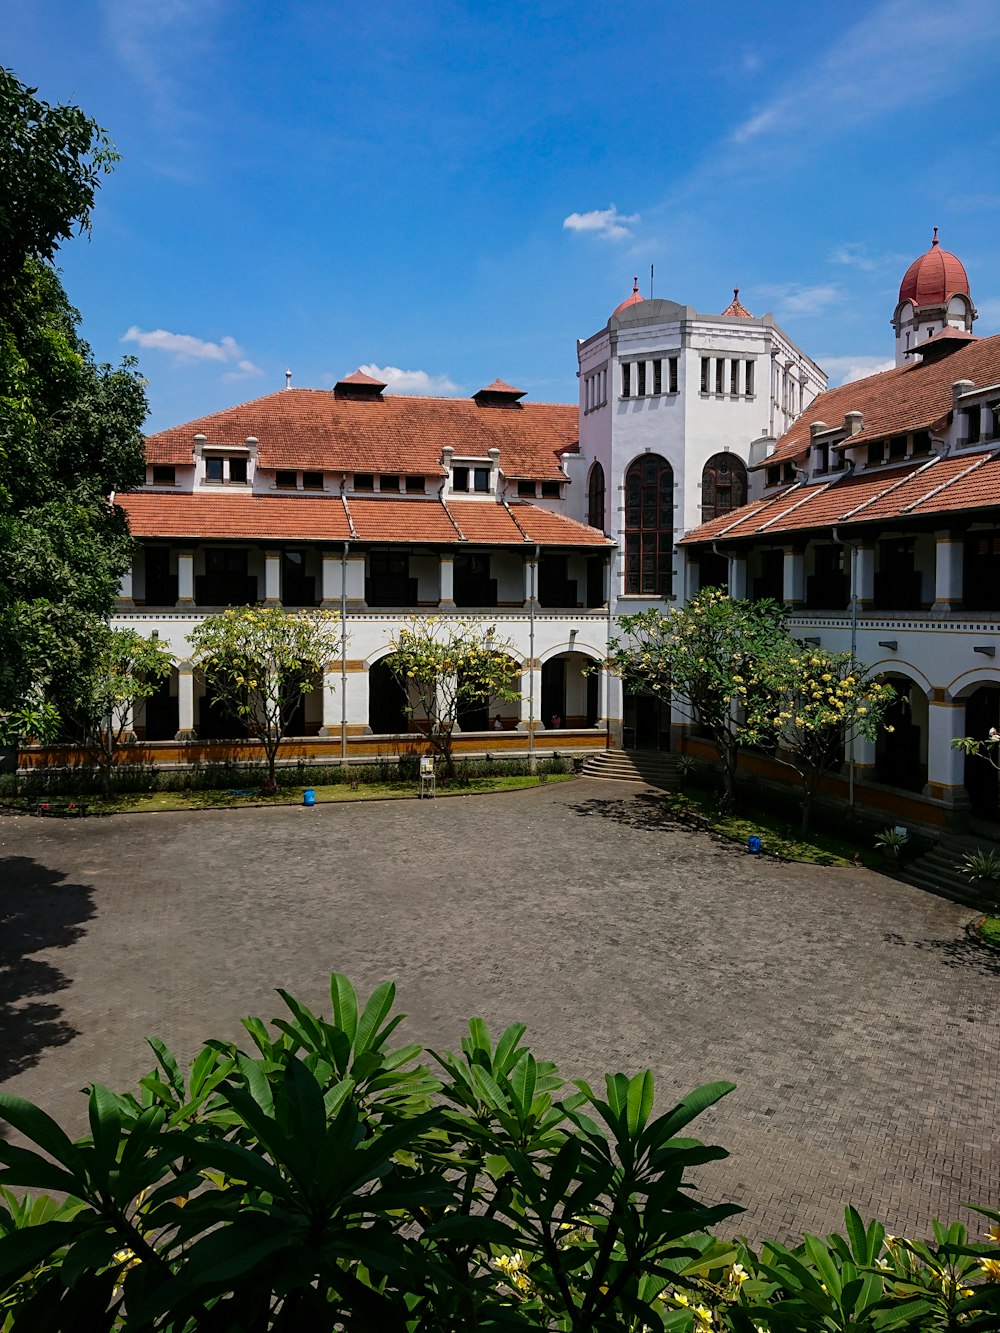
(649, 527)
(723, 486)
(595, 497)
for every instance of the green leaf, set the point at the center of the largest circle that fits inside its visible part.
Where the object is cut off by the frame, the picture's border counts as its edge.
(34, 1124)
(507, 1047)
(489, 1090)
(522, 1082)
(345, 1005)
(639, 1101)
(22, 1250)
(375, 1012)
(105, 1125)
(168, 1064)
(256, 1082)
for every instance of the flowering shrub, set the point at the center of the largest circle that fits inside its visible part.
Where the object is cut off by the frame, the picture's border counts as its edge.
(327, 1181)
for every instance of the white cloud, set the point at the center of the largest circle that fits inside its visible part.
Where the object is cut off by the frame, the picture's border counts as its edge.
(185, 347)
(409, 381)
(853, 254)
(879, 67)
(847, 369)
(156, 41)
(792, 298)
(606, 223)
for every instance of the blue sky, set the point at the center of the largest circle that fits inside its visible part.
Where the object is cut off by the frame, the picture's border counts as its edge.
(460, 191)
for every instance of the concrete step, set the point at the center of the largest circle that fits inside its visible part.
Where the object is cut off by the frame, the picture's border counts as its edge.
(939, 871)
(659, 770)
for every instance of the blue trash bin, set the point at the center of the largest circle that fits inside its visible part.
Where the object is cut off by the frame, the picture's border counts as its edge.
(309, 796)
(754, 844)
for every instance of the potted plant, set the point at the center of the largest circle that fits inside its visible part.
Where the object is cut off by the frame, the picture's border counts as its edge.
(892, 840)
(982, 866)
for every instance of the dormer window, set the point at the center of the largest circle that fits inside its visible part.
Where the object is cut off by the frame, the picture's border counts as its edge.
(526, 490)
(876, 453)
(226, 469)
(773, 476)
(821, 462)
(164, 474)
(388, 483)
(364, 481)
(465, 479)
(415, 485)
(551, 490)
(312, 481)
(286, 481)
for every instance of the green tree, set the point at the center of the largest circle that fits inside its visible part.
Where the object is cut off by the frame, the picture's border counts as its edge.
(821, 702)
(709, 659)
(260, 661)
(126, 669)
(70, 429)
(447, 665)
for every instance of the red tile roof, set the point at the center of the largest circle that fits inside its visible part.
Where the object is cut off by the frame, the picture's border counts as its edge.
(933, 277)
(501, 389)
(909, 398)
(233, 515)
(314, 429)
(934, 486)
(736, 307)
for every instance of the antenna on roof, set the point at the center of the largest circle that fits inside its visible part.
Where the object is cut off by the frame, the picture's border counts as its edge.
(288, 379)
(651, 282)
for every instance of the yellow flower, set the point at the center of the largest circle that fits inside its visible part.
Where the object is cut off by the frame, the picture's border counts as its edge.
(991, 1267)
(737, 1275)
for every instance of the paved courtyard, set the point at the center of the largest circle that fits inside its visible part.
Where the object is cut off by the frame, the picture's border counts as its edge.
(862, 1028)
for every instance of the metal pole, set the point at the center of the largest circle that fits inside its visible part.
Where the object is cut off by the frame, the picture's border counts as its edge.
(531, 660)
(343, 655)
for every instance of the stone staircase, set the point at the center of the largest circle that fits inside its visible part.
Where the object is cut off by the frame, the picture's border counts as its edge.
(659, 770)
(939, 871)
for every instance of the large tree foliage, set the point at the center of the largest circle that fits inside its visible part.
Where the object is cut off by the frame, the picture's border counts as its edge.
(446, 665)
(324, 1178)
(70, 429)
(821, 702)
(260, 661)
(708, 658)
(126, 668)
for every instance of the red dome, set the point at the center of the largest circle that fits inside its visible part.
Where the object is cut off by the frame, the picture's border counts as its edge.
(634, 299)
(934, 277)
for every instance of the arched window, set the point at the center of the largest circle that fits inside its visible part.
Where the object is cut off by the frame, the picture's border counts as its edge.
(649, 527)
(595, 497)
(723, 486)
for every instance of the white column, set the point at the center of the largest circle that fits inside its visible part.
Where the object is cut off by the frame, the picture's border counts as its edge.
(272, 577)
(530, 580)
(863, 566)
(794, 584)
(947, 572)
(185, 578)
(689, 573)
(185, 702)
(331, 703)
(864, 758)
(331, 580)
(738, 577)
(524, 710)
(358, 692)
(125, 589)
(356, 582)
(447, 579)
(945, 766)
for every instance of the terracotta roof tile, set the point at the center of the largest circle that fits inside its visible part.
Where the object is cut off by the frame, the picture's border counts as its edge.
(401, 520)
(484, 521)
(908, 398)
(313, 428)
(551, 529)
(229, 515)
(736, 307)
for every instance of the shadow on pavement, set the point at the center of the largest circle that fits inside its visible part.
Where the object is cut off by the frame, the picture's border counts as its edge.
(39, 910)
(963, 953)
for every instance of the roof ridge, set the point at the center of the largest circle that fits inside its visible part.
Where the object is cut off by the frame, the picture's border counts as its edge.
(792, 508)
(350, 519)
(506, 504)
(894, 486)
(451, 518)
(760, 504)
(979, 462)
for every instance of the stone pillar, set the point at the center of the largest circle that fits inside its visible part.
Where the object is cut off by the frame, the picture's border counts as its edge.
(687, 574)
(331, 580)
(272, 577)
(185, 578)
(356, 583)
(945, 766)
(738, 577)
(331, 701)
(863, 567)
(948, 552)
(185, 702)
(794, 584)
(446, 575)
(125, 599)
(530, 580)
(524, 711)
(864, 758)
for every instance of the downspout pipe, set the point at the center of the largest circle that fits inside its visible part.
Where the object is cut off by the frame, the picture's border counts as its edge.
(853, 548)
(343, 653)
(531, 659)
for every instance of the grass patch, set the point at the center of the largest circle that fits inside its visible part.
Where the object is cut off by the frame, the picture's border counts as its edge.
(989, 930)
(777, 836)
(130, 803)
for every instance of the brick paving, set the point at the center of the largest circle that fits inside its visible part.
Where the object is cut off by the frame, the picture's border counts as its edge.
(860, 1024)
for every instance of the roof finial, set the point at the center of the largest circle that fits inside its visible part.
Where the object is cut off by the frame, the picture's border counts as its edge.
(935, 240)
(736, 294)
(635, 285)
(288, 379)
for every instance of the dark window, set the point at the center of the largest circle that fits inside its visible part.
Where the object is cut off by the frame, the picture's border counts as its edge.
(555, 588)
(481, 479)
(626, 379)
(720, 375)
(748, 381)
(312, 481)
(550, 490)
(641, 378)
(473, 585)
(773, 476)
(921, 442)
(827, 588)
(705, 372)
(673, 374)
(734, 376)
(460, 479)
(974, 415)
(164, 475)
(657, 376)
(981, 571)
(897, 579)
(526, 489)
(788, 473)
(364, 481)
(821, 458)
(415, 485)
(225, 581)
(213, 469)
(389, 582)
(771, 580)
(595, 497)
(876, 452)
(723, 486)
(286, 480)
(649, 527)
(388, 483)
(897, 447)
(296, 588)
(161, 585)
(238, 470)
